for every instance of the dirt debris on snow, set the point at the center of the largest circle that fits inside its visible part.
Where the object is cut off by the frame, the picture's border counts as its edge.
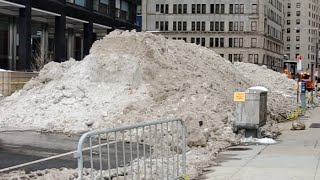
(131, 77)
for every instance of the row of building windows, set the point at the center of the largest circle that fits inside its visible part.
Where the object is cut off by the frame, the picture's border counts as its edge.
(203, 9)
(219, 41)
(201, 26)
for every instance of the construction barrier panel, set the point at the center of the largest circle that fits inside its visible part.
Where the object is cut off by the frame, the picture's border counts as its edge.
(11, 81)
(152, 150)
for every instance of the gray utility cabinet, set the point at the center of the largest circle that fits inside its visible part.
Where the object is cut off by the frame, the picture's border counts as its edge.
(252, 113)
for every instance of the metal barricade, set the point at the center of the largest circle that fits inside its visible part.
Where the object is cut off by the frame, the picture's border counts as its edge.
(152, 150)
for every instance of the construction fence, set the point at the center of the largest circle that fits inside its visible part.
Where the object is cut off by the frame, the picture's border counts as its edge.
(11, 81)
(153, 150)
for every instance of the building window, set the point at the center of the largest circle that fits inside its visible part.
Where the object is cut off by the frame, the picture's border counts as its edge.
(217, 8)
(241, 25)
(179, 8)
(193, 9)
(167, 9)
(157, 24)
(241, 8)
(288, 22)
(298, 13)
(288, 38)
(211, 42)
(157, 8)
(203, 26)
(192, 40)
(298, 5)
(211, 8)
(179, 26)
(204, 9)
(298, 21)
(198, 8)
(289, 5)
(254, 9)
(230, 57)
(240, 42)
(184, 25)
(222, 9)
(198, 26)
(288, 30)
(297, 46)
(288, 14)
(185, 9)
(230, 26)
(216, 24)
(162, 8)
(193, 28)
(203, 41)
(221, 26)
(231, 9)
(174, 8)
(254, 26)
(174, 26)
(256, 58)
(221, 42)
(253, 42)
(297, 38)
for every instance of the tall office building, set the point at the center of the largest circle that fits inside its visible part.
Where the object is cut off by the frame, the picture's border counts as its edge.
(239, 30)
(57, 29)
(302, 21)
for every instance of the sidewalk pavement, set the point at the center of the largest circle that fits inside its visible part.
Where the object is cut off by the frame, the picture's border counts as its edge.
(296, 156)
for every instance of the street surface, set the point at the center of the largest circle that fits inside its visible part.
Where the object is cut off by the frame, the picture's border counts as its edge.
(22, 147)
(295, 157)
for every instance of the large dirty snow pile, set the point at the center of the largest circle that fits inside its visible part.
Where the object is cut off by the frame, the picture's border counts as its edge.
(132, 77)
(282, 95)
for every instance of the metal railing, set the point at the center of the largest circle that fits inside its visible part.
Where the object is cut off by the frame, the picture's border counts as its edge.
(152, 150)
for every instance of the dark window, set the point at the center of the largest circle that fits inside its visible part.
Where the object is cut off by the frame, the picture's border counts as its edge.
(230, 42)
(211, 26)
(231, 9)
(222, 9)
(162, 8)
(211, 42)
(203, 26)
(157, 8)
(167, 9)
(212, 8)
(204, 9)
(193, 8)
(179, 8)
(198, 26)
(216, 42)
(185, 9)
(198, 8)
(221, 26)
(203, 41)
(174, 28)
(230, 26)
(184, 25)
(175, 9)
(157, 24)
(193, 28)
(192, 40)
(221, 42)
(179, 26)
(198, 41)
(166, 26)
(217, 9)
(216, 26)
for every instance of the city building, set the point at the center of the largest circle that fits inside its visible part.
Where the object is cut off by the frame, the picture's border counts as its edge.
(238, 30)
(57, 29)
(302, 22)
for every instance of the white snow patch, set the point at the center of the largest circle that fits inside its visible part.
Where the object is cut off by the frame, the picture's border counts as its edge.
(259, 141)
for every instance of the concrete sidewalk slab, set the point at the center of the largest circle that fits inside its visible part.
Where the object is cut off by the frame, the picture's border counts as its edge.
(295, 156)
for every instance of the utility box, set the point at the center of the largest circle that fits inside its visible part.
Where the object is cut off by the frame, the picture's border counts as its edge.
(252, 113)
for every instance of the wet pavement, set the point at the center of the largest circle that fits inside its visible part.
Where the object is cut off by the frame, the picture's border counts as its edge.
(22, 147)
